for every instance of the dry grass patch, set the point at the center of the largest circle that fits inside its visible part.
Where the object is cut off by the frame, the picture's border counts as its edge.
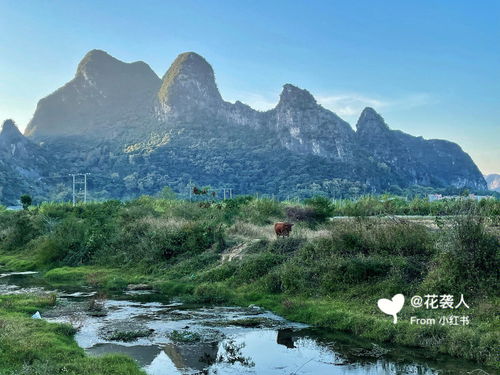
(163, 223)
(251, 231)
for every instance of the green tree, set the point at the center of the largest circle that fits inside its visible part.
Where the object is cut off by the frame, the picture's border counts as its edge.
(167, 193)
(322, 206)
(26, 201)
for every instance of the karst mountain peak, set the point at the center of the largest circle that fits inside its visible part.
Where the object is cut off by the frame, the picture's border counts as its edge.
(370, 121)
(9, 131)
(189, 84)
(120, 118)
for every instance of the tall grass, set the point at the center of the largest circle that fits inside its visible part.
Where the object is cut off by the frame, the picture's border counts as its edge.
(345, 263)
(392, 205)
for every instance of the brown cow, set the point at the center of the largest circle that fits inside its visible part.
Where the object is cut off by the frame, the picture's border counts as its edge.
(283, 229)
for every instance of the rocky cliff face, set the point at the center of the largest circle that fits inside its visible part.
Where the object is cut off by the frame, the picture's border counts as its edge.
(493, 181)
(10, 136)
(120, 121)
(106, 95)
(188, 89)
(307, 128)
(414, 160)
(27, 157)
(22, 163)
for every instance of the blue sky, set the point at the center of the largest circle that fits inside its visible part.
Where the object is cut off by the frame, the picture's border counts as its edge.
(431, 68)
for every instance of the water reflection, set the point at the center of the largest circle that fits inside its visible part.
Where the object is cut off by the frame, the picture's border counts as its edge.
(224, 343)
(143, 354)
(264, 352)
(196, 356)
(285, 337)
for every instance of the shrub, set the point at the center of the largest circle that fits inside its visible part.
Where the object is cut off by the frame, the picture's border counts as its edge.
(188, 211)
(212, 293)
(190, 265)
(402, 238)
(285, 245)
(257, 265)
(272, 282)
(66, 329)
(65, 245)
(382, 237)
(133, 212)
(366, 206)
(192, 238)
(297, 213)
(323, 207)
(262, 211)
(70, 234)
(148, 241)
(468, 259)
(49, 251)
(295, 278)
(19, 229)
(238, 202)
(220, 273)
(352, 270)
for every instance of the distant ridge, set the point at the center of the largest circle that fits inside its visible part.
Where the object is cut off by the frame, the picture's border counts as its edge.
(121, 120)
(493, 181)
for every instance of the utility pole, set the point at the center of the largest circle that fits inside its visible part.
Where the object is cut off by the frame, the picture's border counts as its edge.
(85, 188)
(74, 196)
(229, 192)
(76, 182)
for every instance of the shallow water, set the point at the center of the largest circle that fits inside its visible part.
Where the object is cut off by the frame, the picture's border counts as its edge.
(11, 274)
(177, 339)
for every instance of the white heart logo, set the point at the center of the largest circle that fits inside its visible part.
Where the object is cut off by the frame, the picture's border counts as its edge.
(392, 306)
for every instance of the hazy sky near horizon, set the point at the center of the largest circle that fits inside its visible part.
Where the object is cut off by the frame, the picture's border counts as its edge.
(431, 68)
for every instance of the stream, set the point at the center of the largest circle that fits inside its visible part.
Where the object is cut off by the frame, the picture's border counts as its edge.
(168, 337)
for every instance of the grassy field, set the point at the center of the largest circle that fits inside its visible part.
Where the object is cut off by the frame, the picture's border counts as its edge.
(329, 272)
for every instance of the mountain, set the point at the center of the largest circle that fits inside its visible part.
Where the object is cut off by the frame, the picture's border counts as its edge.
(104, 95)
(188, 89)
(414, 160)
(493, 181)
(136, 133)
(307, 128)
(21, 164)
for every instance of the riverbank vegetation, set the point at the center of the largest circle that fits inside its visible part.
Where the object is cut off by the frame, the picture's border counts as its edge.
(341, 257)
(35, 347)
